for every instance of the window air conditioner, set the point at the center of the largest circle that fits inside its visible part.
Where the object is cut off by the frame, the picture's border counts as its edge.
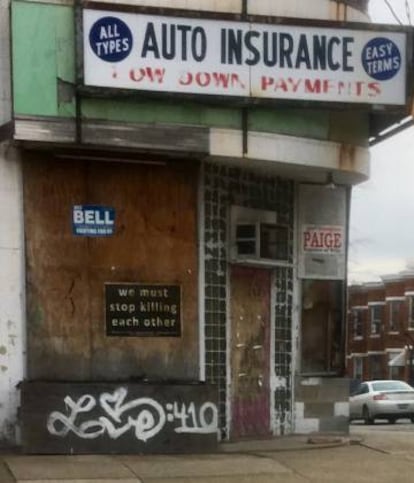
(257, 238)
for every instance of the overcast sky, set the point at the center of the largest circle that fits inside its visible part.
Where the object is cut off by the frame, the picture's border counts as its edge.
(382, 214)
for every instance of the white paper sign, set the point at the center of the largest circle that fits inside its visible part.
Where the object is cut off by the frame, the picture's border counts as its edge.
(322, 240)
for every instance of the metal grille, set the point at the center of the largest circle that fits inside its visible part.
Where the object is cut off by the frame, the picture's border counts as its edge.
(225, 186)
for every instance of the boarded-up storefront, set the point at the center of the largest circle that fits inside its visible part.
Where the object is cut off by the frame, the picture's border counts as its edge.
(119, 305)
(186, 185)
(154, 242)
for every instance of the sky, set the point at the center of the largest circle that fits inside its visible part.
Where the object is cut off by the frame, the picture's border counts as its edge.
(381, 225)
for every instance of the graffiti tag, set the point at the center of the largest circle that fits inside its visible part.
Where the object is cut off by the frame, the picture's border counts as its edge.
(145, 416)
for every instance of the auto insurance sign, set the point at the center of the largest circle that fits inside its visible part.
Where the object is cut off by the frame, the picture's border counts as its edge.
(225, 58)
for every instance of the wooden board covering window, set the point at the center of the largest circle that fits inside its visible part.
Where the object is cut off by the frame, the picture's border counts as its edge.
(155, 242)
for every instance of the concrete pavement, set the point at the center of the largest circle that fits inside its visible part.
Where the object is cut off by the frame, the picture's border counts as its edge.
(243, 462)
(289, 460)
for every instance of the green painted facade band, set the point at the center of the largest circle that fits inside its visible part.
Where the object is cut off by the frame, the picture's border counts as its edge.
(44, 85)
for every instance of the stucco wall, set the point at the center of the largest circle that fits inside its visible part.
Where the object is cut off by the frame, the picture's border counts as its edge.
(12, 327)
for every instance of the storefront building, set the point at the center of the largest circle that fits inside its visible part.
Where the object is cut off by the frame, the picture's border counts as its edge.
(186, 185)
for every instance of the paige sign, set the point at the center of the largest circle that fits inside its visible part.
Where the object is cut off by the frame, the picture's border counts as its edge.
(214, 57)
(322, 246)
(323, 239)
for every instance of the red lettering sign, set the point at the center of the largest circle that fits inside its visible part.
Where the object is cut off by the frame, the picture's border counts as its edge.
(323, 239)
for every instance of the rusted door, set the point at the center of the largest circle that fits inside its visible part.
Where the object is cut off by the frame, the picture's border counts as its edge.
(250, 351)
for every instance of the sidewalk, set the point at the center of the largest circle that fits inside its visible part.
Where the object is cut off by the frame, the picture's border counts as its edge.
(248, 462)
(380, 455)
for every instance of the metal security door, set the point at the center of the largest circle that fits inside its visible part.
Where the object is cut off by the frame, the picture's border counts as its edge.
(250, 352)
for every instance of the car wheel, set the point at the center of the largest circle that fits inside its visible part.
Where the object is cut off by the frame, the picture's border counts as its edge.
(366, 416)
(392, 420)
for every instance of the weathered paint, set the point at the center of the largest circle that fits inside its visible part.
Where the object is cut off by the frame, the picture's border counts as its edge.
(147, 111)
(312, 123)
(5, 94)
(40, 68)
(250, 351)
(12, 325)
(349, 127)
(291, 154)
(50, 33)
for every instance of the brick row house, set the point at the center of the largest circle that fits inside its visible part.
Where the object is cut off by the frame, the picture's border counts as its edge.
(381, 328)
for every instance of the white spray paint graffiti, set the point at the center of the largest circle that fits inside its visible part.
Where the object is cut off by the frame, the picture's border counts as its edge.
(149, 419)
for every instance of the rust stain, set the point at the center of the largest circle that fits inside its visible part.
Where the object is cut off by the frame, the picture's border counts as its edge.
(347, 157)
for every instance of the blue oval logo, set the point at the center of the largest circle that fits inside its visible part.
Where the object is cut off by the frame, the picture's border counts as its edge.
(110, 39)
(381, 58)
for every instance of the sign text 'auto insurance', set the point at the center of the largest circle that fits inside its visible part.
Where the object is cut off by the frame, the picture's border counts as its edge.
(213, 57)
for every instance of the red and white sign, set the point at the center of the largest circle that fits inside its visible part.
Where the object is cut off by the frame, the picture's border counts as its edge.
(323, 239)
(225, 58)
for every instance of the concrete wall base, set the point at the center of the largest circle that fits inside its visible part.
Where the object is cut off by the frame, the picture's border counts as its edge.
(322, 405)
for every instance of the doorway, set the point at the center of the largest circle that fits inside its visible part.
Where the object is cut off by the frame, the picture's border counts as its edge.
(250, 351)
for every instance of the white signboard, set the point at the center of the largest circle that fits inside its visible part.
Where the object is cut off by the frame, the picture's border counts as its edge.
(225, 58)
(322, 241)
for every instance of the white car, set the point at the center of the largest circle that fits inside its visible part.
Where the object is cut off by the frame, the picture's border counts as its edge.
(389, 399)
